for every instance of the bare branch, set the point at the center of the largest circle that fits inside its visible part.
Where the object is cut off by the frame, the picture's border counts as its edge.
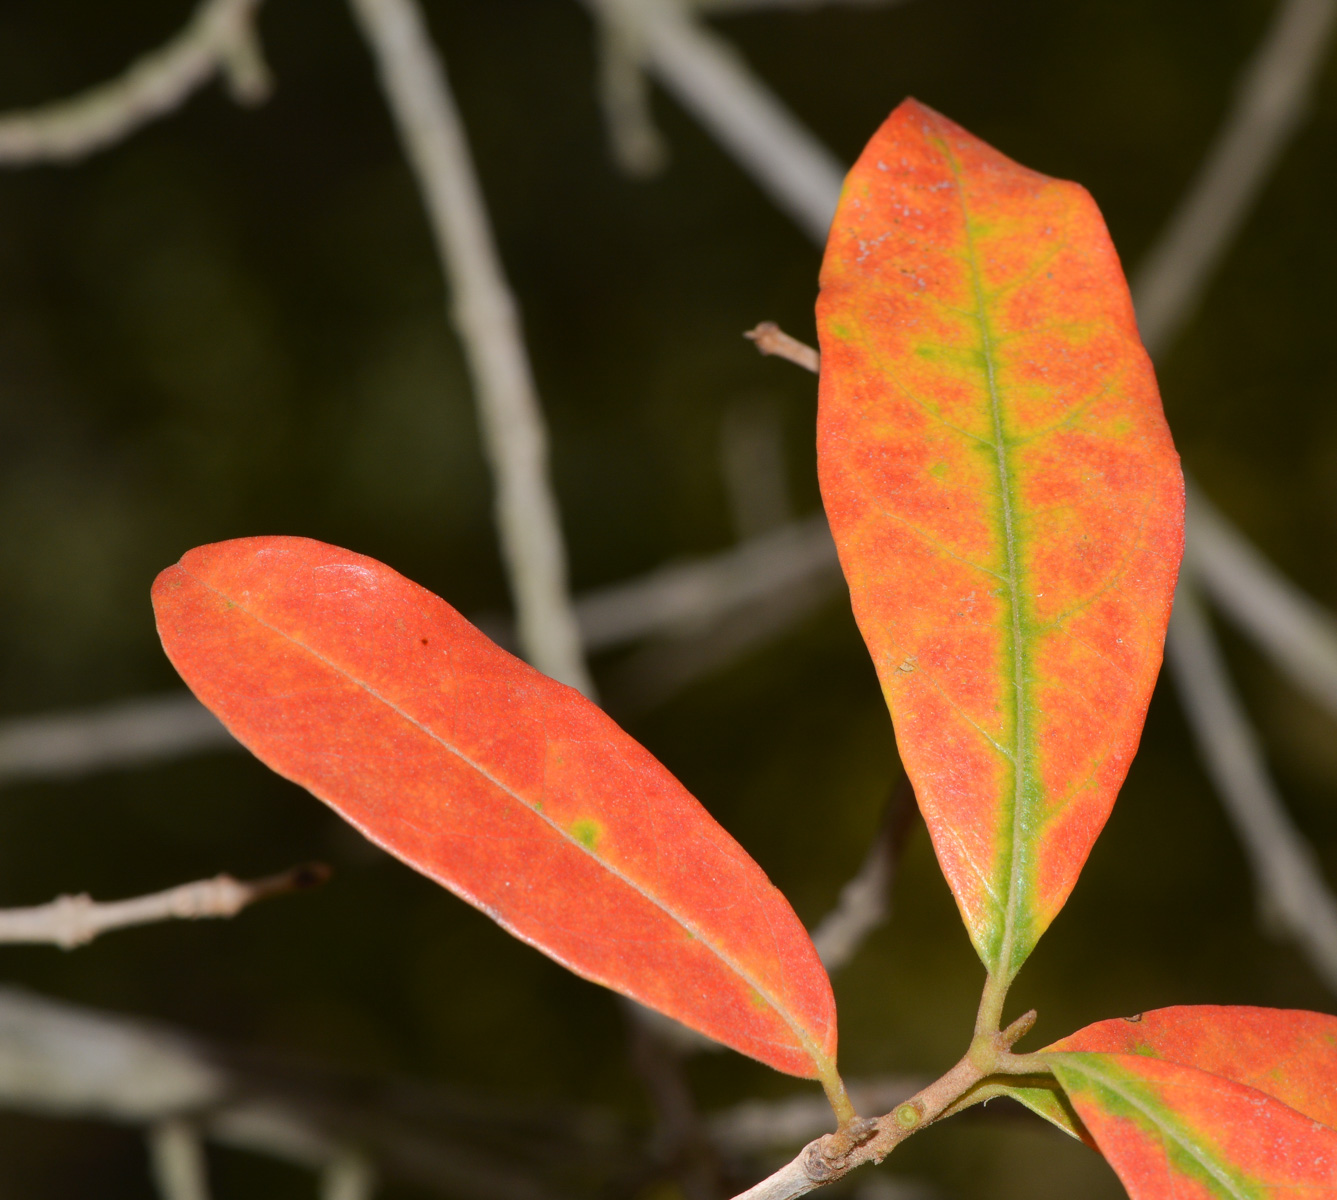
(865, 901)
(176, 1155)
(726, 7)
(769, 338)
(680, 595)
(130, 733)
(624, 95)
(219, 38)
(1291, 888)
(348, 1177)
(1273, 93)
(486, 316)
(728, 627)
(71, 921)
(69, 1061)
(712, 82)
(1298, 634)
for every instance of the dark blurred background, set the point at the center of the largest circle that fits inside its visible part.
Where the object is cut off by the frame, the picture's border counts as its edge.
(234, 324)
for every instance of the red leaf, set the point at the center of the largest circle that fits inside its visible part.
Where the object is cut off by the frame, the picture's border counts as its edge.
(1173, 1132)
(1287, 1053)
(510, 789)
(1006, 501)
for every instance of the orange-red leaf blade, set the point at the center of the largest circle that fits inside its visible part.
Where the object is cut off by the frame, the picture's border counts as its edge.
(510, 789)
(1173, 1132)
(1006, 500)
(1289, 1054)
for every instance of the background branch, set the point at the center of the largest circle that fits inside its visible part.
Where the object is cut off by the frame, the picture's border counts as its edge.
(71, 921)
(865, 901)
(129, 733)
(725, 7)
(1292, 893)
(1293, 630)
(219, 38)
(1272, 96)
(638, 147)
(486, 315)
(710, 80)
(69, 1061)
(176, 1156)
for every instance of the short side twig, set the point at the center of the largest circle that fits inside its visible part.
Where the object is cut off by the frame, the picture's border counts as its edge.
(219, 38)
(71, 921)
(1291, 888)
(770, 339)
(485, 312)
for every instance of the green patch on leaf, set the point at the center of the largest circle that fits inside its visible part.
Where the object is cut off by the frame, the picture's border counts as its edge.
(587, 832)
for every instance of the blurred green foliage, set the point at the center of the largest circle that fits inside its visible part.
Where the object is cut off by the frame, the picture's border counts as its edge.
(235, 323)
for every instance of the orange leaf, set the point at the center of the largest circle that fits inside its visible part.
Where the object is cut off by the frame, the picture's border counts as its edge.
(1007, 504)
(510, 789)
(1287, 1053)
(1174, 1132)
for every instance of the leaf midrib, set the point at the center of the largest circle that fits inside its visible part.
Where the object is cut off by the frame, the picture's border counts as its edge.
(1166, 1128)
(820, 1060)
(1010, 540)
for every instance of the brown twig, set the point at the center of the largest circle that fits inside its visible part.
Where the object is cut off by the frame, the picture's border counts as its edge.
(835, 1155)
(770, 339)
(70, 921)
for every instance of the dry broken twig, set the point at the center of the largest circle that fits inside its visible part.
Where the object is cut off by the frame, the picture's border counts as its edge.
(71, 921)
(769, 338)
(220, 38)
